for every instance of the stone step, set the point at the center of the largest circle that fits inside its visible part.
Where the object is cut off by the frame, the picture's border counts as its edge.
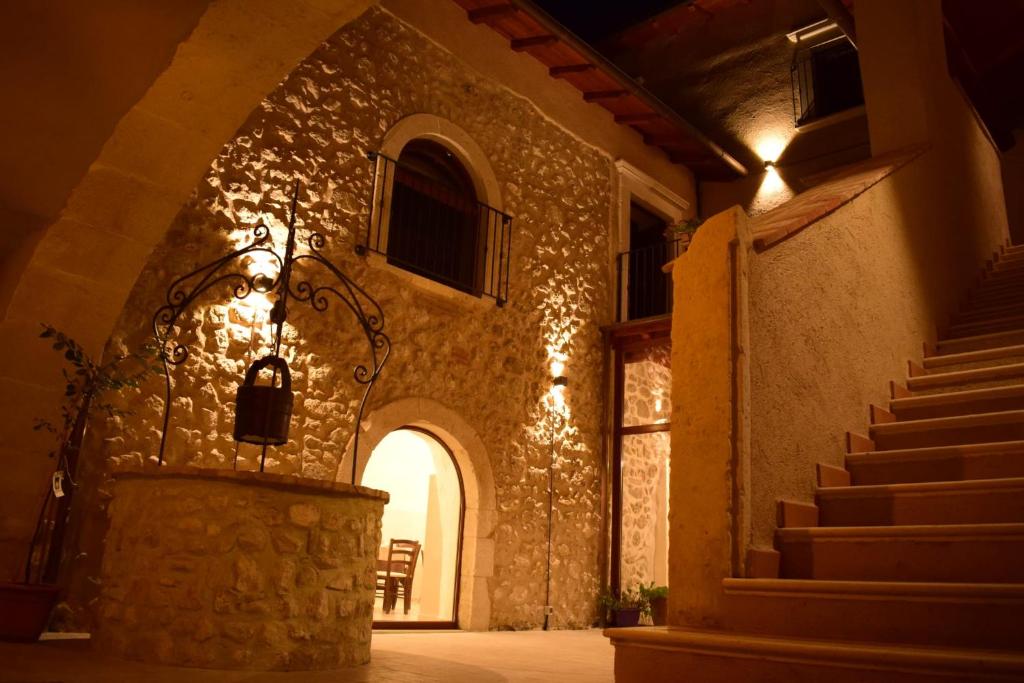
(975, 313)
(943, 463)
(979, 342)
(1007, 425)
(970, 401)
(979, 501)
(1011, 264)
(927, 613)
(970, 329)
(661, 655)
(1008, 276)
(971, 359)
(966, 379)
(976, 553)
(990, 291)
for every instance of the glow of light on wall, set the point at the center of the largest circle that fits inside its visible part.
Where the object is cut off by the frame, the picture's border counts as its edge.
(772, 183)
(770, 148)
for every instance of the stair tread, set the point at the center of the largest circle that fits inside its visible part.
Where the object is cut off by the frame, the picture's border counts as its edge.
(974, 356)
(964, 395)
(866, 490)
(834, 651)
(1008, 319)
(983, 337)
(957, 376)
(1000, 591)
(903, 531)
(937, 451)
(948, 422)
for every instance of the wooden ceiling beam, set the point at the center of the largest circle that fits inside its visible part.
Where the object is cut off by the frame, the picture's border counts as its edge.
(522, 44)
(640, 117)
(484, 15)
(567, 69)
(599, 95)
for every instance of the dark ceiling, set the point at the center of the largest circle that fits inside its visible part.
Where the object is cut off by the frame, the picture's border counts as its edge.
(595, 20)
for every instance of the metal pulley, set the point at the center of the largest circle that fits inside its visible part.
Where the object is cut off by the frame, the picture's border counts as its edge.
(263, 413)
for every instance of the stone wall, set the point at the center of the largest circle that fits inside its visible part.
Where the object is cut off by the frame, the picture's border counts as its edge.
(235, 571)
(489, 364)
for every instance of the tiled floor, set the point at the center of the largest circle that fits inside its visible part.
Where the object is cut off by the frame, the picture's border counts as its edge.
(452, 657)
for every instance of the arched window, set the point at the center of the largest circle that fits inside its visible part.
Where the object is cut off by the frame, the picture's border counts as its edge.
(435, 217)
(435, 209)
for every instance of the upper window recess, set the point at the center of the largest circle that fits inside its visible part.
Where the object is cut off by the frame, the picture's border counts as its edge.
(426, 219)
(825, 75)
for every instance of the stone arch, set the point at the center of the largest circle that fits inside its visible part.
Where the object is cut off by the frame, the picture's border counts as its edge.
(464, 147)
(84, 265)
(471, 457)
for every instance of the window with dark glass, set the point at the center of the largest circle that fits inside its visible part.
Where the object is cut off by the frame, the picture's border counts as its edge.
(826, 80)
(434, 229)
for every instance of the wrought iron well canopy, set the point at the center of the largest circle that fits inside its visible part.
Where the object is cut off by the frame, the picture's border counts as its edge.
(259, 420)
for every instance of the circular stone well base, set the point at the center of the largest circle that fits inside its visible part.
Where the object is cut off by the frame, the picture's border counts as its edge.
(239, 570)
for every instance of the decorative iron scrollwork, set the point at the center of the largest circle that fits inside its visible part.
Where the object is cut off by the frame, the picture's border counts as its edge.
(228, 271)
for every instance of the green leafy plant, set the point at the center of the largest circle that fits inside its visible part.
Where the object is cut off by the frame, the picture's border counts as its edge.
(651, 593)
(87, 383)
(88, 388)
(631, 598)
(688, 226)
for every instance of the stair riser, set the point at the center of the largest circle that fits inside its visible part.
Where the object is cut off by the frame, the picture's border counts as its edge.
(975, 314)
(637, 664)
(970, 330)
(949, 437)
(923, 622)
(976, 507)
(1009, 359)
(945, 559)
(996, 377)
(996, 296)
(953, 468)
(962, 345)
(967, 407)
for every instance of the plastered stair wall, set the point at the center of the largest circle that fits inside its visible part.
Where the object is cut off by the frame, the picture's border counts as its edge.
(909, 565)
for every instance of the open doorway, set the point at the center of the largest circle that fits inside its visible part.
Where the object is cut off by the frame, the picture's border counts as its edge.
(421, 531)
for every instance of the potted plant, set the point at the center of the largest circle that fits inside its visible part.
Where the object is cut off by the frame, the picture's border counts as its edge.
(684, 232)
(657, 602)
(624, 610)
(25, 606)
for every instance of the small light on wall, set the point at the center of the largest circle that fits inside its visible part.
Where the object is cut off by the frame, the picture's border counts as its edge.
(560, 381)
(770, 148)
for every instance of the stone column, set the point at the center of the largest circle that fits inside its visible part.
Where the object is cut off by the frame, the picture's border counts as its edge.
(708, 518)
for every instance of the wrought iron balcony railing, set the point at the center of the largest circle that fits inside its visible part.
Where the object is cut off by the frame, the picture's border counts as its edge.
(645, 289)
(429, 229)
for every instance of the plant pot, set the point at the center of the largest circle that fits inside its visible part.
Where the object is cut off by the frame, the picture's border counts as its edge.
(25, 610)
(626, 616)
(659, 611)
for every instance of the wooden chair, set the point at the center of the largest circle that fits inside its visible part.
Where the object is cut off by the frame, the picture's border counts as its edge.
(395, 574)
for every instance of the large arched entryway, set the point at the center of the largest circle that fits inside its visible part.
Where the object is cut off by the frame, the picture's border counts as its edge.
(475, 565)
(421, 531)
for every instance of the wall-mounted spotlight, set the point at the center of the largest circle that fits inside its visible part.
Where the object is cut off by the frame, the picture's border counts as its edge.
(769, 163)
(560, 381)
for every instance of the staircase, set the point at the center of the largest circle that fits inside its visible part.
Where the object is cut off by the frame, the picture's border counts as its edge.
(909, 566)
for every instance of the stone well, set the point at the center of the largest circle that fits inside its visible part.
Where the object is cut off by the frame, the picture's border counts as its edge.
(239, 570)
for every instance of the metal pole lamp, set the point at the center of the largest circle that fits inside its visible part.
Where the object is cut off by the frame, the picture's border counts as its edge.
(263, 413)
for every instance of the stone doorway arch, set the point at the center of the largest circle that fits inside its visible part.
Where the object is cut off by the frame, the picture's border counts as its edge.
(477, 561)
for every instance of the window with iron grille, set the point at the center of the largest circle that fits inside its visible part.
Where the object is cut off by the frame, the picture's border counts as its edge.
(826, 80)
(426, 219)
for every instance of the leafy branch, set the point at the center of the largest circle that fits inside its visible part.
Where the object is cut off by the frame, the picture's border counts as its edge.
(88, 384)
